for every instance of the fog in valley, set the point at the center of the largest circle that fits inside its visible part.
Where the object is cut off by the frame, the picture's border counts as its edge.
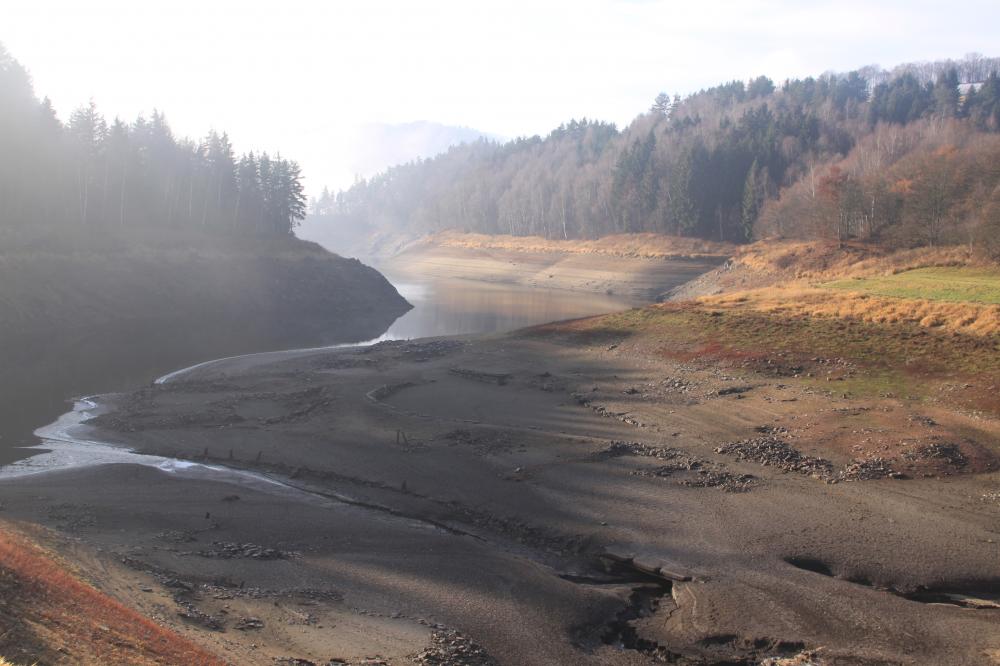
(482, 334)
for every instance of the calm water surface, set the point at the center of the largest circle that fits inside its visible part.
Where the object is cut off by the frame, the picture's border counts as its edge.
(461, 307)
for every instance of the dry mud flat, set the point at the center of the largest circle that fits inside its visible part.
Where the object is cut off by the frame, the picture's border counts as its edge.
(540, 499)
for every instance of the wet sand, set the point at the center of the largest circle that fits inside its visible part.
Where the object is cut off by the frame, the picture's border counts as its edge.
(537, 497)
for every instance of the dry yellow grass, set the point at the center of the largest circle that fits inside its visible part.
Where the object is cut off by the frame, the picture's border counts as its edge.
(789, 275)
(828, 260)
(649, 245)
(803, 299)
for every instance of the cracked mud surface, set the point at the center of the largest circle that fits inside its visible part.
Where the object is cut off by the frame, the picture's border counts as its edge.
(522, 500)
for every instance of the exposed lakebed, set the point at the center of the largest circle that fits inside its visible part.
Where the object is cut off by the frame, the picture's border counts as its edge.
(441, 307)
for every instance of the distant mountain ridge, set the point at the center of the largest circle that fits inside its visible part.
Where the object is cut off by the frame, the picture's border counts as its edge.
(377, 147)
(384, 145)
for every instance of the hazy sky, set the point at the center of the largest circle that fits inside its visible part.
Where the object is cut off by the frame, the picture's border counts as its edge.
(298, 76)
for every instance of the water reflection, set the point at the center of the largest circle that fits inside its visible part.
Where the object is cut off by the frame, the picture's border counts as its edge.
(462, 307)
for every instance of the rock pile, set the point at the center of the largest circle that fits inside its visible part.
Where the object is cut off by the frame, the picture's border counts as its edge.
(773, 452)
(950, 454)
(450, 648)
(618, 448)
(731, 483)
(867, 469)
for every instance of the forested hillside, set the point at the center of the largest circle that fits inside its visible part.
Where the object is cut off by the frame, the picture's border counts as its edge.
(909, 156)
(89, 172)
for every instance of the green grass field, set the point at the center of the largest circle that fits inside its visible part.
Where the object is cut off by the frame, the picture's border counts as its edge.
(938, 284)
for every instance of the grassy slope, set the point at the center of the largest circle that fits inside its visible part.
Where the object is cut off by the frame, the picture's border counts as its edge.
(775, 317)
(48, 614)
(942, 283)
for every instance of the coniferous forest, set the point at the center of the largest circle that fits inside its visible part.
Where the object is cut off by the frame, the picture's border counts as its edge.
(91, 172)
(906, 157)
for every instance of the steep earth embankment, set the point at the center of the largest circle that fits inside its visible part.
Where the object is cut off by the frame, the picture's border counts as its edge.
(635, 266)
(95, 312)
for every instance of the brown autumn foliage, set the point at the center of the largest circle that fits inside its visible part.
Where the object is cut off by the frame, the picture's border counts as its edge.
(930, 183)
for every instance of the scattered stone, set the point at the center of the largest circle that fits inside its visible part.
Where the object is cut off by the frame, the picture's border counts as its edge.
(773, 452)
(805, 658)
(249, 624)
(867, 469)
(189, 612)
(450, 648)
(617, 449)
(948, 453)
(177, 584)
(731, 483)
(228, 550)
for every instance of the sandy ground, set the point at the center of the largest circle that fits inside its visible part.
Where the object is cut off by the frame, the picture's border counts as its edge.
(634, 278)
(536, 498)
